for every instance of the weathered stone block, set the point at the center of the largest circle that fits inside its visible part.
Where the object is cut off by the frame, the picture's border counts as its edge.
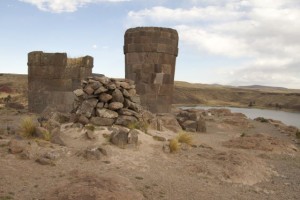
(52, 77)
(150, 57)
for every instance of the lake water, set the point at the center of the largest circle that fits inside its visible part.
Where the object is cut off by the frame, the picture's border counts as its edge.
(288, 118)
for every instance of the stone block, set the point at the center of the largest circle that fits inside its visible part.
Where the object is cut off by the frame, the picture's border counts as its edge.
(150, 56)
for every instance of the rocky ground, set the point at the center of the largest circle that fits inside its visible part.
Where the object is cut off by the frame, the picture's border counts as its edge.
(236, 158)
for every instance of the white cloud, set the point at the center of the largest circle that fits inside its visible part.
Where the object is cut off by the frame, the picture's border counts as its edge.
(264, 32)
(94, 46)
(59, 6)
(194, 14)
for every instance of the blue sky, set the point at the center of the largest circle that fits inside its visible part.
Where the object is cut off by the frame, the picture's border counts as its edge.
(234, 42)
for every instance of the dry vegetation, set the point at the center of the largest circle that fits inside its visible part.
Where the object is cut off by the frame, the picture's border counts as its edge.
(217, 95)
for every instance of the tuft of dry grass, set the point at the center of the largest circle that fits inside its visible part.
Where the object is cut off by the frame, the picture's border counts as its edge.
(140, 125)
(28, 127)
(298, 134)
(174, 145)
(185, 138)
(89, 127)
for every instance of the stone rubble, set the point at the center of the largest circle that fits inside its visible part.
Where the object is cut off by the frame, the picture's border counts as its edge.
(104, 101)
(191, 120)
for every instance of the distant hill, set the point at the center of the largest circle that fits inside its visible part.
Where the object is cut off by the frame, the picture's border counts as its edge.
(192, 94)
(269, 88)
(220, 95)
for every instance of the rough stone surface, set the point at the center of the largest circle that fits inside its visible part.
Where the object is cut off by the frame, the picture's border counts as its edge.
(106, 113)
(133, 137)
(191, 120)
(52, 77)
(118, 96)
(119, 137)
(150, 58)
(113, 105)
(16, 146)
(56, 138)
(126, 120)
(100, 121)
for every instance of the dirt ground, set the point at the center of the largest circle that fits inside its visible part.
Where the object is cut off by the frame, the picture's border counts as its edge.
(230, 161)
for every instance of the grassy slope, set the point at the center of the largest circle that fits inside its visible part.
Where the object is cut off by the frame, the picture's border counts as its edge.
(217, 95)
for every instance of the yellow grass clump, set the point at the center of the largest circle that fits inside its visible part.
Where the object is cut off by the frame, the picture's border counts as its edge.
(28, 127)
(185, 138)
(174, 145)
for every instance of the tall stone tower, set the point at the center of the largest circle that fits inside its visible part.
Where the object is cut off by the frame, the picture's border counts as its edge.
(52, 77)
(150, 59)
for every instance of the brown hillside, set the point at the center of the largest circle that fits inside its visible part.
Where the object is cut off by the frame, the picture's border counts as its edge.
(217, 95)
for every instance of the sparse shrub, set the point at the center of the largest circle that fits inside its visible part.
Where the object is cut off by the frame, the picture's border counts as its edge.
(298, 134)
(185, 138)
(42, 133)
(174, 145)
(261, 119)
(140, 125)
(243, 134)
(28, 127)
(89, 127)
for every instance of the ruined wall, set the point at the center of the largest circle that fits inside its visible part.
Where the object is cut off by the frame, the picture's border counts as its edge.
(52, 77)
(150, 58)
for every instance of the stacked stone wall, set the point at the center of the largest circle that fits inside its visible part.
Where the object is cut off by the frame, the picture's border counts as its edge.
(52, 77)
(150, 59)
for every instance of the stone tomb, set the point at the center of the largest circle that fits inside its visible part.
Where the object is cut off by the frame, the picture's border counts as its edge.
(150, 58)
(52, 77)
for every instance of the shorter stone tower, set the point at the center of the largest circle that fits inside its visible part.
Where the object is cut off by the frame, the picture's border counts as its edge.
(52, 77)
(150, 59)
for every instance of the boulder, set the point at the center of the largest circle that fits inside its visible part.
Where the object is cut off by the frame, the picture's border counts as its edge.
(94, 153)
(106, 113)
(119, 137)
(87, 107)
(100, 90)
(83, 120)
(133, 137)
(170, 122)
(111, 86)
(104, 97)
(16, 146)
(189, 125)
(117, 96)
(201, 125)
(115, 106)
(125, 85)
(101, 121)
(89, 90)
(125, 120)
(56, 137)
(78, 92)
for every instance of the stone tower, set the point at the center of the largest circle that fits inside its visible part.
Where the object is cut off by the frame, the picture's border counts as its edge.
(52, 77)
(150, 58)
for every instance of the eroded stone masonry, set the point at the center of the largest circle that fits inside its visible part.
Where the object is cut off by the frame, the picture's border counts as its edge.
(150, 58)
(52, 77)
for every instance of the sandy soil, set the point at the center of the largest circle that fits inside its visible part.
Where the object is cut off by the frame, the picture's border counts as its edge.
(230, 161)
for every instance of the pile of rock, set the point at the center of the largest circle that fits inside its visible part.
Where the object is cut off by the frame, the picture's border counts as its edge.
(104, 101)
(191, 120)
